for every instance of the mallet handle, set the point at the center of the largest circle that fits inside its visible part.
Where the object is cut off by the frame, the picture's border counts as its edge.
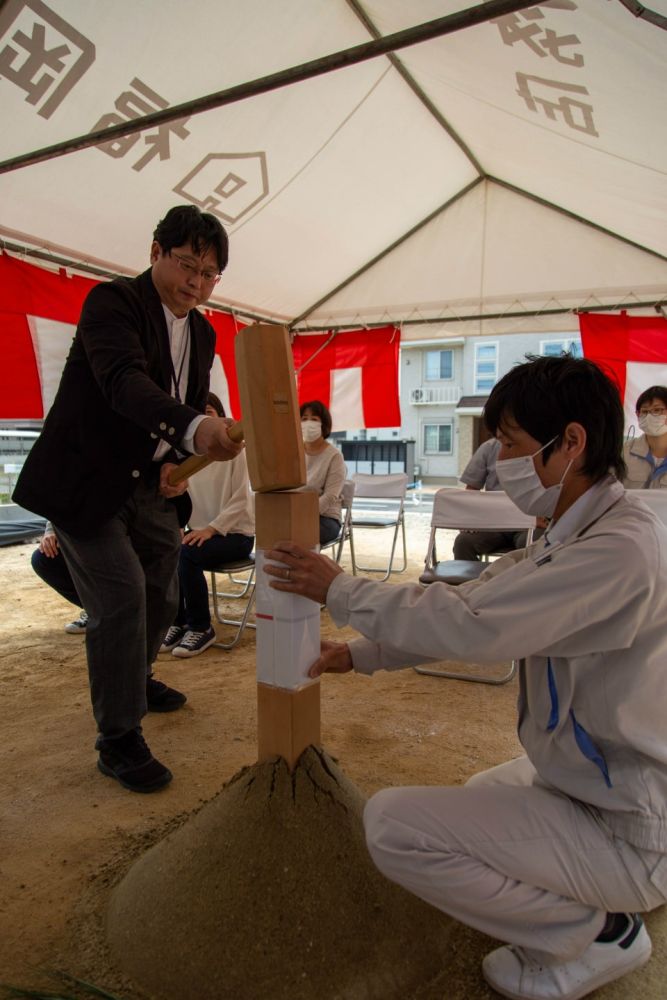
(195, 463)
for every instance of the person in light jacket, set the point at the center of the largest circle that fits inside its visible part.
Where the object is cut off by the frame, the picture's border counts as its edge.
(325, 467)
(556, 852)
(646, 456)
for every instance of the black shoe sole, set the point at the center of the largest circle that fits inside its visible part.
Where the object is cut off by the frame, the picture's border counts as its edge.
(155, 786)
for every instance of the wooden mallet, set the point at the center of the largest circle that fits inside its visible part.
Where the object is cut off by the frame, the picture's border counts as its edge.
(287, 625)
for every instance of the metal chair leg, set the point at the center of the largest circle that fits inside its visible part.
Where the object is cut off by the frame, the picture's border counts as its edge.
(452, 676)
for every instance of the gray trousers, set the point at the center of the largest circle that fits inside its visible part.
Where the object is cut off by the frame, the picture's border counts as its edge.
(126, 578)
(513, 858)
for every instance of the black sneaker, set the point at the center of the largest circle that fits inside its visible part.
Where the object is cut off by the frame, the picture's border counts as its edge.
(194, 643)
(172, 638)
(161, 698)
(130, 762)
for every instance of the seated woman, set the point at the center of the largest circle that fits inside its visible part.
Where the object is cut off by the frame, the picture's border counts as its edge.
(325, 468)
(221, 530)
(646, 456)
(49, 564)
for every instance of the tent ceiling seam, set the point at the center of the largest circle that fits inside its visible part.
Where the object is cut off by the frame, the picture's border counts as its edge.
(401, 69)
(573, 215)
(652, 16)
(387, 250)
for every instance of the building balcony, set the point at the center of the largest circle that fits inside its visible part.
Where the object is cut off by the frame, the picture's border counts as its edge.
(428, 395)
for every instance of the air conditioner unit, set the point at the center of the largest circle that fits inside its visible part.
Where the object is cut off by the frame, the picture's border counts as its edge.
(418, 395)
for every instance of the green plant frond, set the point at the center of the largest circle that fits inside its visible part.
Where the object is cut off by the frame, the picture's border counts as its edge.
(21, 993)
(96, 991)
(18, 991)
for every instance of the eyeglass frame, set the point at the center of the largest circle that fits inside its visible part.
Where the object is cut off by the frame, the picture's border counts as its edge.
(654, 412)
(191, 269)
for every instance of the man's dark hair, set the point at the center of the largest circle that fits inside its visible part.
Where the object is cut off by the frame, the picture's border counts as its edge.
(320, 410)
(186, 224)
(215, 402)
(545, 394)
(655, 392)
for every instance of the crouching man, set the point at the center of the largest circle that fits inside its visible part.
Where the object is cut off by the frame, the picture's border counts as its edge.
(557, 852)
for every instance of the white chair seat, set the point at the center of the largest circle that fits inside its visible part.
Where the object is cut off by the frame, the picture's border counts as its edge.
(474, 510)
(389, 489)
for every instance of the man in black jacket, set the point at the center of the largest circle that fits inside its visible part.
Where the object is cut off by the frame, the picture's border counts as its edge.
(130, 404)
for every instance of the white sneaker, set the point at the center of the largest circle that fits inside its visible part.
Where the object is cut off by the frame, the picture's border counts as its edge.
(78, 626)
(525, 975)
(194, 643)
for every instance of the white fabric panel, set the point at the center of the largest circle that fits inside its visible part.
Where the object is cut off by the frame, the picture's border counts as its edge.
(219, 384)
(346, 403)
(51, 342)
(498, 251)
(613, 174)
(317, 179)
(639, 375)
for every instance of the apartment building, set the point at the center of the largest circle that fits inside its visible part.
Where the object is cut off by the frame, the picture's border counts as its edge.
(443, 387)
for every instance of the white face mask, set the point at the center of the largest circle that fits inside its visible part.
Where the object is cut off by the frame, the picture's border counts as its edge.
(652, 424)
(519, 479)
(311, 430)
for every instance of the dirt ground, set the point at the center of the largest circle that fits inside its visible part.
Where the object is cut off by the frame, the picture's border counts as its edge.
(66, 831)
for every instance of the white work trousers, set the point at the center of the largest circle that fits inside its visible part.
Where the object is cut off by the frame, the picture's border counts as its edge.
(512, 857)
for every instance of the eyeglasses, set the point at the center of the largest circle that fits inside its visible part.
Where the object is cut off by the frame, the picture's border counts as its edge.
(655, 411)
(210, 277)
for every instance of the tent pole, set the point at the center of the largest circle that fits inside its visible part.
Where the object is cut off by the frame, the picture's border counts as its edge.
(417, 90)
(317, 67)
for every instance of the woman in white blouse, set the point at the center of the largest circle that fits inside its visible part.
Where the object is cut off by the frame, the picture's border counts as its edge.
(221, 530)
(325, 468)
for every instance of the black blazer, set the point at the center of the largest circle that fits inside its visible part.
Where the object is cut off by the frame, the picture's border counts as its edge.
(112, 405)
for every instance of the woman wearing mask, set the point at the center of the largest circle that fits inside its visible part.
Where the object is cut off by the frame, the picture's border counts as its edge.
(221, 530)
(646, 456)
(325, 468)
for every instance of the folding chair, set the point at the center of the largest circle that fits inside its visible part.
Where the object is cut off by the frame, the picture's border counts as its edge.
(345, 524)
(247, 592)
(475, 510)
(391, 490)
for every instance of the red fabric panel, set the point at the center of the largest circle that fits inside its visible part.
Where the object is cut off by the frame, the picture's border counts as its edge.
(226, 328)
(32, 290)
(20, 388)
(28, 290)
(612, 340)
(374, 351)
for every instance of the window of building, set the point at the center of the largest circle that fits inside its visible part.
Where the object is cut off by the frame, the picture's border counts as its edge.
(566, 345)
(438, 439)
(439, 365)
(486, 367)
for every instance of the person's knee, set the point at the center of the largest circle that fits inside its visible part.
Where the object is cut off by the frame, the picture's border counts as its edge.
(382, 824)
(465, 546)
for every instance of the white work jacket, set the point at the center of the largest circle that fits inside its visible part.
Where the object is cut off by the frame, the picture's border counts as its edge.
(588, 615)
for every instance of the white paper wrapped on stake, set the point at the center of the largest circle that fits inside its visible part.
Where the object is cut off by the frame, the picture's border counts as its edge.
(288, 633)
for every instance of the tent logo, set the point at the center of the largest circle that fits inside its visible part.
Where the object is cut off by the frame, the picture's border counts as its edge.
(227, 184)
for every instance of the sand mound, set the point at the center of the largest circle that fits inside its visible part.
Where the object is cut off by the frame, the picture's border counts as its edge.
(268, 892)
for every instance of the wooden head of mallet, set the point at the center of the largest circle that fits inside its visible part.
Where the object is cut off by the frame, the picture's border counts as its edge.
(271, 423)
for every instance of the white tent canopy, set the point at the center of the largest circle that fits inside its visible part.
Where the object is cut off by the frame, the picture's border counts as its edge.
(509, 168)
